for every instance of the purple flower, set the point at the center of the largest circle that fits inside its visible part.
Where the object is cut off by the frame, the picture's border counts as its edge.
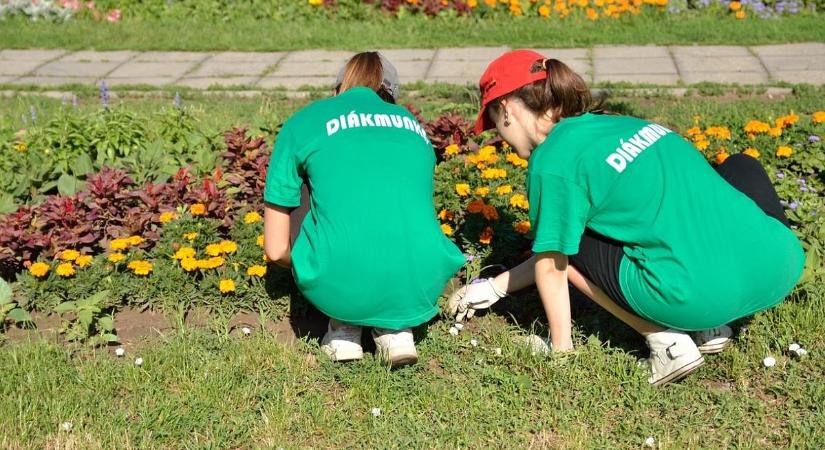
(104, 94)
(813, 138)
(74, 101)
(33, 113)
(478, 280)
(801, 181)
(780, 175)
(469, 257)
(793, 205)
(177, 101)
(803, 188)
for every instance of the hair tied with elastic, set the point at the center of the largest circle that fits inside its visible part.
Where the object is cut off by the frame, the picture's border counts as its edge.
(540, 65)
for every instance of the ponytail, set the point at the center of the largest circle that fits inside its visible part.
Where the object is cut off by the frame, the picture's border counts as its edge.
(364, 69)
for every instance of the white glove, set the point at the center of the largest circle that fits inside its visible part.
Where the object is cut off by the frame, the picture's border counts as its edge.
(465, 301)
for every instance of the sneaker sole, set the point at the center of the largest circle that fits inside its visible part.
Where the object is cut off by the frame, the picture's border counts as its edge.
(401, 359)
(345, 356)
(716, 348)
(681, 372)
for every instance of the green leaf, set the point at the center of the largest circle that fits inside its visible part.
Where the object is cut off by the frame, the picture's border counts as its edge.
(65, 307)
(109, 337)
(20, 315)
(67, 184)
(105, 323)
(5, 292)
(82, 165)
(7, 204)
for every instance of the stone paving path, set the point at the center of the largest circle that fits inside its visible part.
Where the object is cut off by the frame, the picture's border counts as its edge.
(658, 65)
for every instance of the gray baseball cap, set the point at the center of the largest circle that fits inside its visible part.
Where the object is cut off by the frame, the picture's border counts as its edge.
(390, 81)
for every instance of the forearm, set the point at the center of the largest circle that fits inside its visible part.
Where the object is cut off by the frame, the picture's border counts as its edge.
(551, 281)
(517, 278)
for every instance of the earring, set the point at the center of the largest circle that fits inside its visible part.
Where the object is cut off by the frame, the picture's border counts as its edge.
(506, 119)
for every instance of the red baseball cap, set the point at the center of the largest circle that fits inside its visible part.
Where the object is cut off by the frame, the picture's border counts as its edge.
(504, 75)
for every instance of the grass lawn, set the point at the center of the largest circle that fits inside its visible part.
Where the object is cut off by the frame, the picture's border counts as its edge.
(206, 388)
(414, 32)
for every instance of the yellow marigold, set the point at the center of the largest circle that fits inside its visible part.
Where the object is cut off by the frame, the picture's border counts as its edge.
(452, 149)
(211, 263)
(756, 127)
(522, 227)
(475, 206)
(786, 121)
(190, 236)
(116, 257)
(699, 137)
(544, 11)
(167, 217)
(472, 3)
(252, 217)
(214, 249)
(493, 173)
(83, 261)
(462, 189)
(447, 229)
(516, 160)
(783, 151)
(775, 132)
(445, 215)
(702, 145)
(198, 209)
(39, 269)
(256, 271)
(718, 132)
(226, 286)
(591, 14)
(135, 240)
(229, 246)
(69, 255)
(740, 15)
(519, 201)
(482, 191)
(735, 6)
(721, 157)
(504, 189)
(65, 269)
(486, 236)
(693, 131)
(259, 241)
(489, 212)
(818, 117)
(189, 264)
(752, 152)
(184, 252)
(316, 2)
(140, 267)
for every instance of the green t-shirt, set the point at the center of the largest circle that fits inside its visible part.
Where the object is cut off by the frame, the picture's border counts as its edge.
(371, 251)
(698, 252)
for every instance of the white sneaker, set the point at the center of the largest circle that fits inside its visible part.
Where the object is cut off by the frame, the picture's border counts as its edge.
(395, 347)
(713, 340)
(342, 342)
(673, 355)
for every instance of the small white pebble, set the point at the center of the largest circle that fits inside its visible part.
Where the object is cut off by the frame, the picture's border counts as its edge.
(794, 347)
(66, 426)
(769, 361)
(801, 352)
(460, 326)
(454, 331)
(376, 412)
(138, 361)
(120, 351)
(246, 330)
(650, 442)
(474, 342)
(497, 350)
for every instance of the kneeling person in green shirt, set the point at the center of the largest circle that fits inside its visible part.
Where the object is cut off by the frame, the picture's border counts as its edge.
(362, 238)
(633, 215)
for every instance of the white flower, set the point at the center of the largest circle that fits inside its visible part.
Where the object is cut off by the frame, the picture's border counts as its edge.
(769, 361)
(66, 426)
(460, 326)
(120, 351)
(454, 331)
(794, 347)
(474, 342)
(246, 330)
(376, 412)
(138, 361)
(650, 442)
(497, 351)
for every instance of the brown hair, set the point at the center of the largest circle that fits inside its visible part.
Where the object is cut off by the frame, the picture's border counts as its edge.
(364, 69)
(562, 94)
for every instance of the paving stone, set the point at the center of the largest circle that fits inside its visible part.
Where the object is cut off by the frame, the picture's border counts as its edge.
(253, 57)
(793, 63)
(816, 77)
(53, 81)
(75, 69)
(461, 81)
(6, 79)
(564, 54)
(310, 69)
(457, 69)
(92, 56)
(17, 67)
(151, 69)
(311, 56)
(614, 66)
(218, 69)
(295, 82)
(801, 49)
(31, 55)
(205, 83)
(412, 69)
(725, 77)
(485, 54)
(628, 51)
(150, 81)
(709, 50)
(662, 79)
(171, 57)
(410, 54)
(713, 64)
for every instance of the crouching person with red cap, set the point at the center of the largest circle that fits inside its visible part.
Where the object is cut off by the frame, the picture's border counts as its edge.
(634, 217)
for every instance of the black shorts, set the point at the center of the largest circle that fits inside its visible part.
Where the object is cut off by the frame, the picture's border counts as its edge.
(599, 257)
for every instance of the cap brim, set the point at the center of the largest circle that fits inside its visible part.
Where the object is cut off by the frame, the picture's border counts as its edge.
(483, 123)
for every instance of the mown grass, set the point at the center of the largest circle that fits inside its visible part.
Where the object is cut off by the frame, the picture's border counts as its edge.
(415, 32)
(210, 389)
